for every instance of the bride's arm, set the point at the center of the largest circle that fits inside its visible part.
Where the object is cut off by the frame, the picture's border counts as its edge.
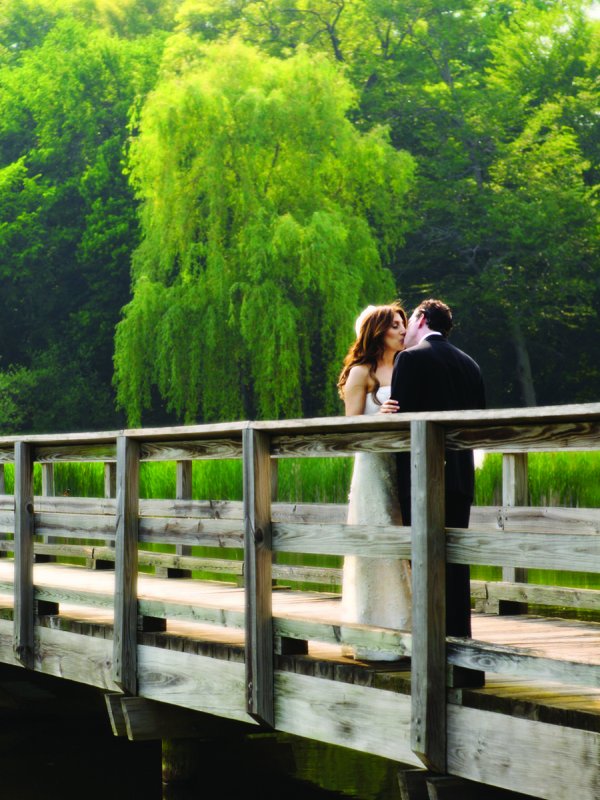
(355, 390)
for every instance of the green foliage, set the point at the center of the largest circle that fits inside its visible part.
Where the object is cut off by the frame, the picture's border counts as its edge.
(263, 194)
(267, 220)
(67, 217)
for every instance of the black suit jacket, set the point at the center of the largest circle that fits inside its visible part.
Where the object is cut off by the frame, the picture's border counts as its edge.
(436, 376)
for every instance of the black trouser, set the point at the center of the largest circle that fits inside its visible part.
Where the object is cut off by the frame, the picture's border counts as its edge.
(458, 576)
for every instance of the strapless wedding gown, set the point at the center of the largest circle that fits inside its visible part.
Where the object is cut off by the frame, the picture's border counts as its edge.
(375, 591)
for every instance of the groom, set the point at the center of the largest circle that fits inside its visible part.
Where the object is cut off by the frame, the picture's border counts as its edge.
(431, 374)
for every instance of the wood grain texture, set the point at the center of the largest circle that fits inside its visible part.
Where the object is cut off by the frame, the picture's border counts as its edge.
(428, 670)
(375, 541)
(126, 566)
(546, 761)
(258, 576)
(23, 571)
(357, 717)
(204, 684)
(553, 551)
(515, 492)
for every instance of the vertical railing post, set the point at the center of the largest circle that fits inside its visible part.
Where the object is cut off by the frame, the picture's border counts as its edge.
(110, 490)
(183, 491)
(515, 492)
(110, 479)
(126, 565)
(258, 575)
(3, 553)
(428, 667)
(23, 644)
(47, 491)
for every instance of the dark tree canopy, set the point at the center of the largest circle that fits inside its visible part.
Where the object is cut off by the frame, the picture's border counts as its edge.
(197, 198)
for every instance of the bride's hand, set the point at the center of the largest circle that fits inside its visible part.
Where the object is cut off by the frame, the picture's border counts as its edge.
(389, 407)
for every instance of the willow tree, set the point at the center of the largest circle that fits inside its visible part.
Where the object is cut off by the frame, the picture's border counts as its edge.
(268, 221)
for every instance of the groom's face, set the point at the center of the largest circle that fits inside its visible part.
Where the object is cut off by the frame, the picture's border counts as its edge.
(412, 330)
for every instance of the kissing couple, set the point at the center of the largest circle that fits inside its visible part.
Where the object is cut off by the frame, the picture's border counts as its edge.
(400, 364)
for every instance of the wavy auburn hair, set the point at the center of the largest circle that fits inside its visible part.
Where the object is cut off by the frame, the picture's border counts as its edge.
(368, 346)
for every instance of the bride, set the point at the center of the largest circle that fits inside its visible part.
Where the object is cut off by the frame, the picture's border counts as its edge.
(375, 591)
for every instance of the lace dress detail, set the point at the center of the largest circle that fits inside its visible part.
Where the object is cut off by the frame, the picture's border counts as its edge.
(375, 591)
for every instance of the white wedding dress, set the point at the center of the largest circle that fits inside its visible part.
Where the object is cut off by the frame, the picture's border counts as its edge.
(375, 591)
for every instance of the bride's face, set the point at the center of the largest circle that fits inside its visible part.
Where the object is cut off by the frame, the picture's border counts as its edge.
(394, 336)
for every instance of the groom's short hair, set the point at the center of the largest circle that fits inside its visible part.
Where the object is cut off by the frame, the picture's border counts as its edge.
(437, 315)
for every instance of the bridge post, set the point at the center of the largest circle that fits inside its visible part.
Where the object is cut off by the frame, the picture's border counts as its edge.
(47, 491)
(428, 667)
(126, 565)
(23, 643)
(110, 490)
(258, 575)
(183, 491)
(515, 492)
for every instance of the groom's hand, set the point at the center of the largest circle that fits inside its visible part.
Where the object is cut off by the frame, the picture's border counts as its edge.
(389, 407)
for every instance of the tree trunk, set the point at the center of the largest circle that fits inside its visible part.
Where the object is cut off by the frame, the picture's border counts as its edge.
(524, 374)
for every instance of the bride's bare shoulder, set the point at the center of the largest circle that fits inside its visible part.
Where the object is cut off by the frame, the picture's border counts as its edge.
(359, 375)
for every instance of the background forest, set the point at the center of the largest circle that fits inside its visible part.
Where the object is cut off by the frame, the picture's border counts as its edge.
(197, 197)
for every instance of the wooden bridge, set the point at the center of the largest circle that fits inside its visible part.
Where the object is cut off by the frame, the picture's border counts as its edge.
(516, 707)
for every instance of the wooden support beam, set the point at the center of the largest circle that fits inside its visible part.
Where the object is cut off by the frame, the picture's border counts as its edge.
(147, 719)
(515, 492)
(125, 625)
(447, 787)
(115, 713)
(258, 574)
(428, 669)
(23, 644)
(412, 783)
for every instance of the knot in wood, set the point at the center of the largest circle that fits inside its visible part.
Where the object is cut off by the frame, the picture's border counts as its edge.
(259, 535)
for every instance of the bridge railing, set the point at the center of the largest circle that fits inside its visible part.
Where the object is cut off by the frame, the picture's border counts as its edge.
(514, 537)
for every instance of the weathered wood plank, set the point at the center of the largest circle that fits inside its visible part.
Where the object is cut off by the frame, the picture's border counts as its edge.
(553, 551)
(207, 532)
(521, 661)
(146, 719)
(115, 713)
(340, 444)
(364, 719)
(71, 656)
(183, 491)
(198, 449)
(535, 758)
(515, 492)
(428, 667)
(258, 576)
(201, 683)
(125, 615)
(23, 572)
(375, 541)
(74, 453)
(76, 526)
(537, 594)
(550, 519)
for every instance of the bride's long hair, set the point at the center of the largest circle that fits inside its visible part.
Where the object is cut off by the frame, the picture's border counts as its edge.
(368, 347)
